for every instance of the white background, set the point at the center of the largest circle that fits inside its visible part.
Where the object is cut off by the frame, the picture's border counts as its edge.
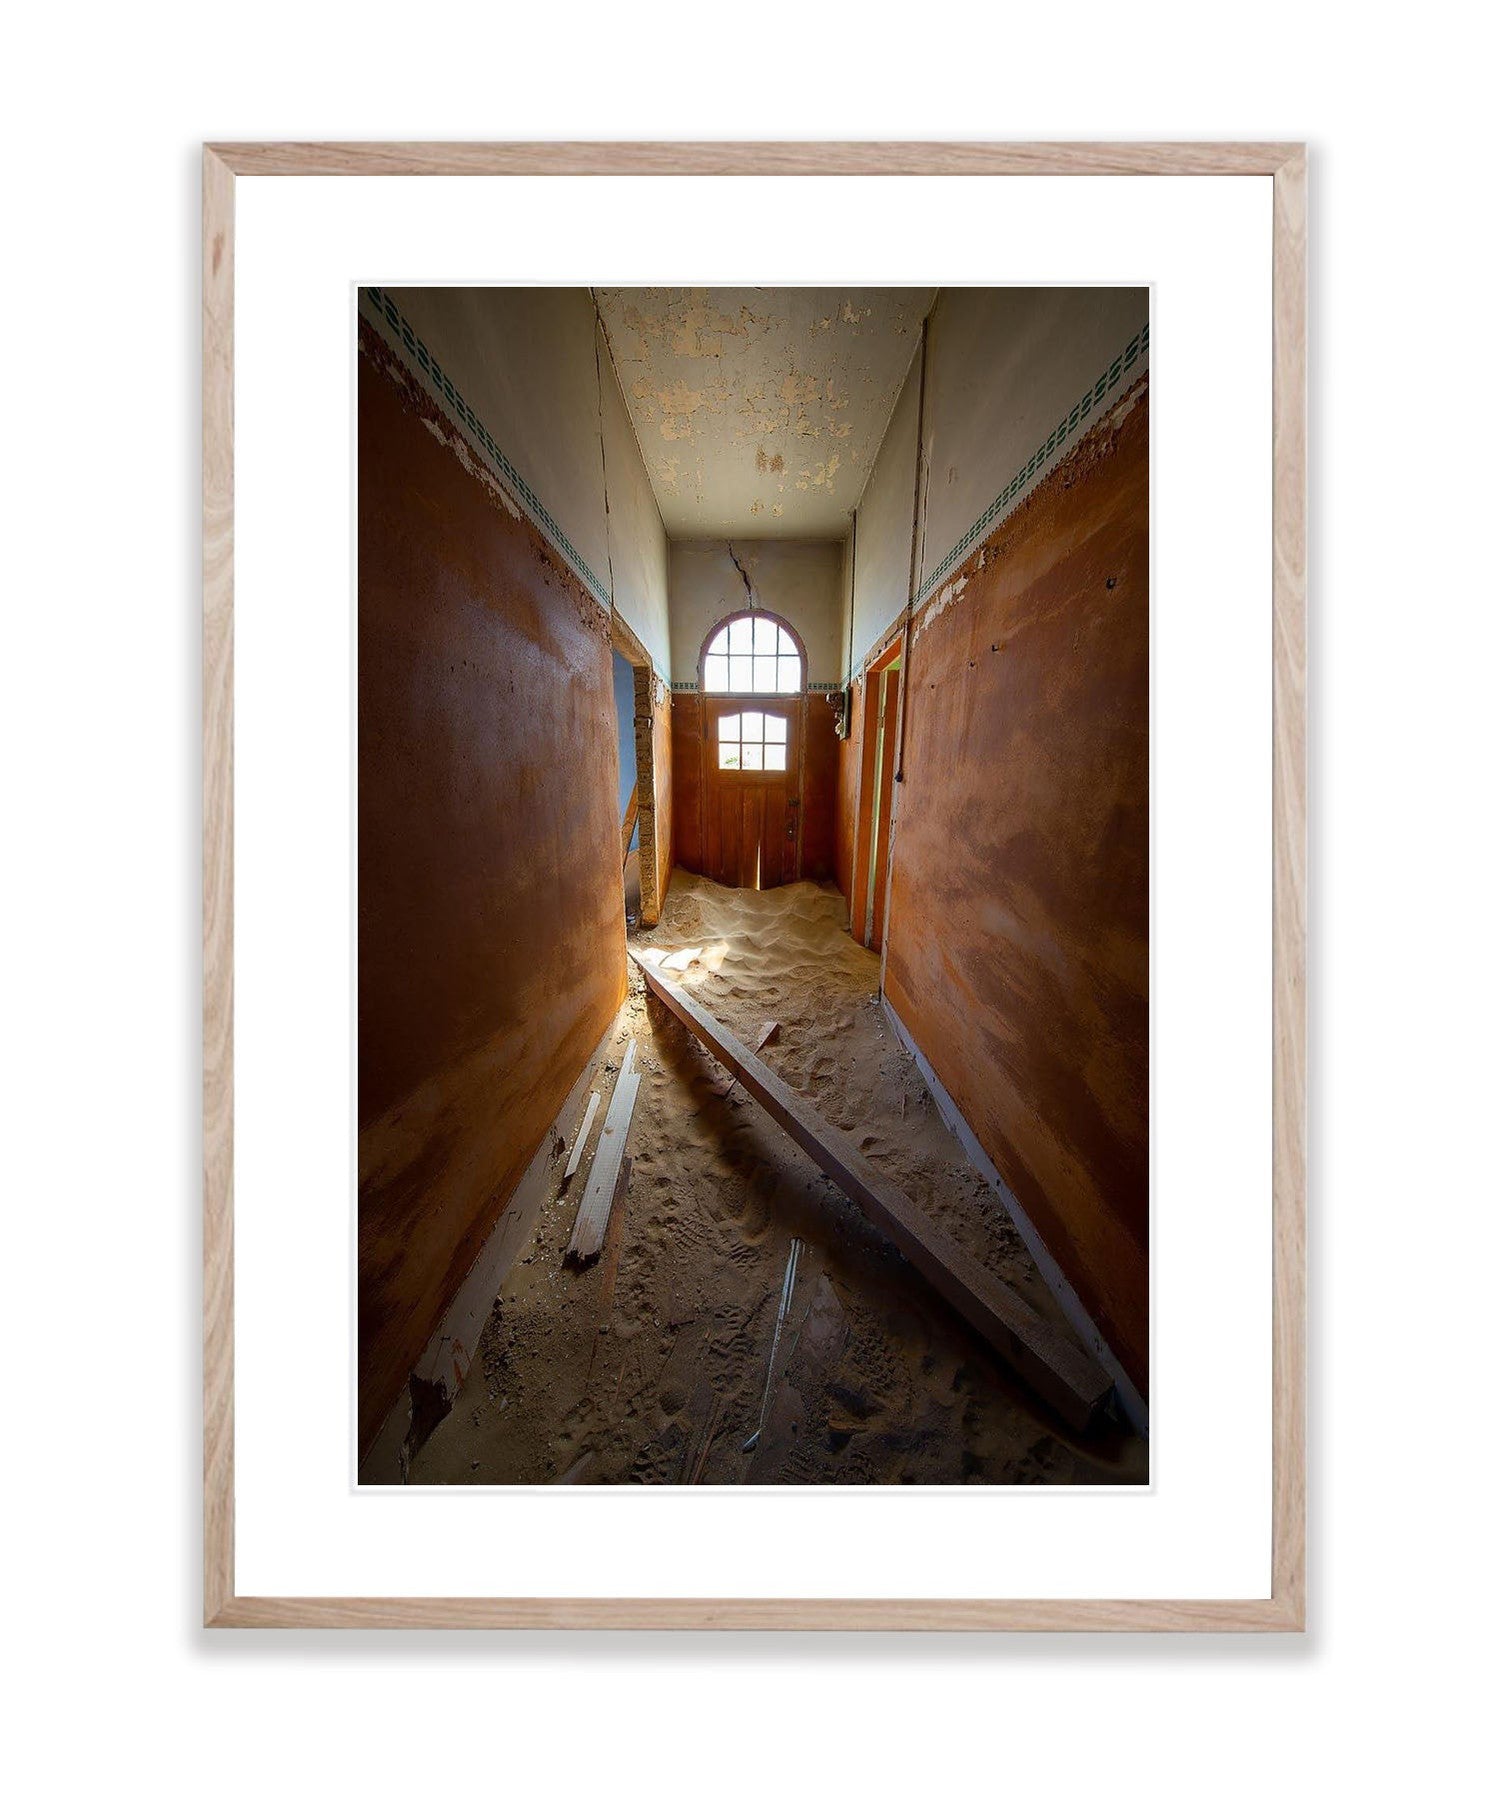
(1204, 1530)
(100, 746)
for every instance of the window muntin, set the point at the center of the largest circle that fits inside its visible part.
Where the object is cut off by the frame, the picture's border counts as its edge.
(752, 655)
(753, 742)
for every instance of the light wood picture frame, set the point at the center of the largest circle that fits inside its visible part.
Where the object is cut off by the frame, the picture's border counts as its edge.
(1286, 164)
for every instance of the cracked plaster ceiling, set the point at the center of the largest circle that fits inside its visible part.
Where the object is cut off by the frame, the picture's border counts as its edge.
(759, 411)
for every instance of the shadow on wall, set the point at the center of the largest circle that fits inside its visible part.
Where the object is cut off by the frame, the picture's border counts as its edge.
(491, 948)
(1023, 825)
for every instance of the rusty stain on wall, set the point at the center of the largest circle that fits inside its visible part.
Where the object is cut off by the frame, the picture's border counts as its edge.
(491, 934)
(1019, 909)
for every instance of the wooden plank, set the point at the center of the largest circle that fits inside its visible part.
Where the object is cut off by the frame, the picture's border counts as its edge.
(613, 1240)
(581, 1139)
(598, 1196)
(767, 1031)
(1057, 1369)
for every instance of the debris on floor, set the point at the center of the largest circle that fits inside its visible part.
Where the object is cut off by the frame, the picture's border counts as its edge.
(876, 1380)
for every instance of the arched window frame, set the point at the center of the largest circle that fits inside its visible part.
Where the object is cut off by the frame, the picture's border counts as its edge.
(723, 624)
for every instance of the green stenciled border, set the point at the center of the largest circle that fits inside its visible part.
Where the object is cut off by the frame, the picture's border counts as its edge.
(1129, 359)
(422, 363)
(811, 687)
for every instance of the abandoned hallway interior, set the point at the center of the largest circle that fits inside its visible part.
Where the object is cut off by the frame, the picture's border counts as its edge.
(753, 702)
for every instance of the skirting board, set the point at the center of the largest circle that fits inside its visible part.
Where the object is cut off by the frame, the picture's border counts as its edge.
(445, 1361)
(1130, 1402)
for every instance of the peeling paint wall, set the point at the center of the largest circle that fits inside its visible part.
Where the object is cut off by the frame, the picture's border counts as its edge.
(1017, 942)
(800, 581)
(523, 360)
(491, 923)
(882, 567)
(1051, 359)
(636, 536)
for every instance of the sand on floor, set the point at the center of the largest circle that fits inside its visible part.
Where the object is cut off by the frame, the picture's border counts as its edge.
(650, 1364)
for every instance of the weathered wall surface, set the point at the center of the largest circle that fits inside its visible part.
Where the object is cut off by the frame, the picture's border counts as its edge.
(504, 510)
(800, 581)
(636, 537)
(1018, 912)
(882, 562)
(522, 359)
(491, 938)
(1018, 942)
(1050, 359)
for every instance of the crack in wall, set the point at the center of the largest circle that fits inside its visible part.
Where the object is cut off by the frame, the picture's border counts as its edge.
(748, 585)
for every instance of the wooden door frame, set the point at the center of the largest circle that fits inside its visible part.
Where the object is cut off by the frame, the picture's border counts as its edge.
(863, 879)
(635, 653)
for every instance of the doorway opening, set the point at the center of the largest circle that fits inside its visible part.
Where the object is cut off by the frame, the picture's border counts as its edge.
(629, 784)
(882, 692)
(753, 752)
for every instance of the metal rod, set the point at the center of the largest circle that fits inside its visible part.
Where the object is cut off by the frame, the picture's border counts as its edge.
(775, 1343)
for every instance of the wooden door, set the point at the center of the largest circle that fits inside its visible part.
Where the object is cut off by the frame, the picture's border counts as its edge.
(751, 782)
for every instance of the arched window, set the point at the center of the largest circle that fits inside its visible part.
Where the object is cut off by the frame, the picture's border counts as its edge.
(753, 652)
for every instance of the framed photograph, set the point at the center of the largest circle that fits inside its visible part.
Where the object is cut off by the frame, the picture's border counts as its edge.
(754, 886)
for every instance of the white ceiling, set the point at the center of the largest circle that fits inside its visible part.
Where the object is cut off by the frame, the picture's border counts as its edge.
(759, 410)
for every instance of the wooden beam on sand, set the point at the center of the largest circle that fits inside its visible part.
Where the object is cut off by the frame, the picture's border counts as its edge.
(608, 1158)
(767, 1031)
(1057, 1369)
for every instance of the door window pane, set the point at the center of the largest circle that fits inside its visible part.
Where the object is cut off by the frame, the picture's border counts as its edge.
(728, 741)
(753, 754)
(775, 758)
(775, 728)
